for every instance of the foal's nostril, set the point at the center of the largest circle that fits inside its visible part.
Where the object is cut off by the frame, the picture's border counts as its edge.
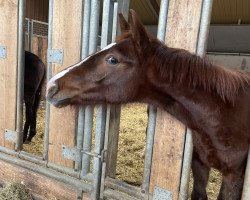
(52, 90)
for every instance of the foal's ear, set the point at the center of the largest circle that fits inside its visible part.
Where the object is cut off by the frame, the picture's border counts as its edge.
(123, 23)
(138, 31)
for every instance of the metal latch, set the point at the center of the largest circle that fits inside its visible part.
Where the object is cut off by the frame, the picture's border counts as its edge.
(3, 52)
(162, 194)
(10, 135)
(55, 56)
(75, 154)
(101, 156)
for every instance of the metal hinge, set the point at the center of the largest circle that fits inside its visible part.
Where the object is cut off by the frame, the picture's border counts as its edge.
(75, 154)
(55, 56)
(3, 52)
(162, 194)
(10, 135)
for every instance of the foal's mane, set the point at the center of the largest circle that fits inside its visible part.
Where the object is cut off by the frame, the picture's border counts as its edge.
(179, 67)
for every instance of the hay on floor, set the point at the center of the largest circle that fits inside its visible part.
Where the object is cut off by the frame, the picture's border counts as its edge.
(15, 191)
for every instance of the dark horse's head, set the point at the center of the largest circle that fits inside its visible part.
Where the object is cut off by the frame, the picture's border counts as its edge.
(116, 74)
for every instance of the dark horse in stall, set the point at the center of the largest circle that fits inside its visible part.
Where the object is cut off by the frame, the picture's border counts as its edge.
(33, 79)
(214, 102)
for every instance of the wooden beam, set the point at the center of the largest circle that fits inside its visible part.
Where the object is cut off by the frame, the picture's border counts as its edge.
(182, 31)
(153, 7)
(66, 36)
(8, 68)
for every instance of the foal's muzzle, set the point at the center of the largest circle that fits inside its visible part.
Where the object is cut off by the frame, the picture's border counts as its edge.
(51, 90)
(53, 98)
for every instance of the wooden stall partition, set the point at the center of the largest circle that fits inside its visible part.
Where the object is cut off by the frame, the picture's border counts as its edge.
(67, 37)
(182, 32)
(8, 68)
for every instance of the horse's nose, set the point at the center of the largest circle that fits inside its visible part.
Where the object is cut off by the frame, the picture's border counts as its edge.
(51, 90)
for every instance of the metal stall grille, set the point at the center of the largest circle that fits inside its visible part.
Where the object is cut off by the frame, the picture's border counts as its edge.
(39, 28)
(35, 30)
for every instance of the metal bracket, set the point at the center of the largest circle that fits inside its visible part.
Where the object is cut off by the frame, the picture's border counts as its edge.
(75, 154)
(71, 153)
(55, 56)
(3, 52)
(10, 135)
(162, 194)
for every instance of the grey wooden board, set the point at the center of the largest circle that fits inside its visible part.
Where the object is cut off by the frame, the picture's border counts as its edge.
(230, 39)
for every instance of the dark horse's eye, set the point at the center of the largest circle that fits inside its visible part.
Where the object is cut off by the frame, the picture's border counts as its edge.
(112, 60)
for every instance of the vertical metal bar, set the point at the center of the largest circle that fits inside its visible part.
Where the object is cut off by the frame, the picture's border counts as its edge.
(115, 20)
(204, 27)
(246, 188)
(20, 75)
(106, 142)
(93, 35)
(161, 32)
(84, 54)
(186, 166)
(152, 110)
(108, 112)
(79, 138)
(111, 20)
(105, 23)
(200, 50)
(85, 29)
(49, 75)
(88, 122)
(99, 144)
(94, 25)
(149, 149)
(101, 110)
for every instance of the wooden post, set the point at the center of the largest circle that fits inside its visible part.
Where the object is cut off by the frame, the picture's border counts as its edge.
(67, 25)
(182, 32)
(8, 68)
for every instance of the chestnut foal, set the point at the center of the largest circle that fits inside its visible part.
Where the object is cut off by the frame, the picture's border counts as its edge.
(214, 102)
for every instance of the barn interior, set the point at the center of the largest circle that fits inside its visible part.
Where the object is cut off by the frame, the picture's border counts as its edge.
(228, 45)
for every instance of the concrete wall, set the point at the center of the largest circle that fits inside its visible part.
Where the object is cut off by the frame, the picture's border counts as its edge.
(230, 39)
(232, 61)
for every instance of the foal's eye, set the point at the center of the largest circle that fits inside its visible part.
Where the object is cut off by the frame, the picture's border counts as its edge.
(112, 60)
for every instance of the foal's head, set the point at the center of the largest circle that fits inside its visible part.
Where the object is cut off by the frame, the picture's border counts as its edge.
(116, 74)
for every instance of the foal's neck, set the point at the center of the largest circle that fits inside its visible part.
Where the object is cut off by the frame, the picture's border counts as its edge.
(178, 68)
(188, 86)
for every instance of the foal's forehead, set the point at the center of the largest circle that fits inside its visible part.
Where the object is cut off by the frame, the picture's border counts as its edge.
(67, 70)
